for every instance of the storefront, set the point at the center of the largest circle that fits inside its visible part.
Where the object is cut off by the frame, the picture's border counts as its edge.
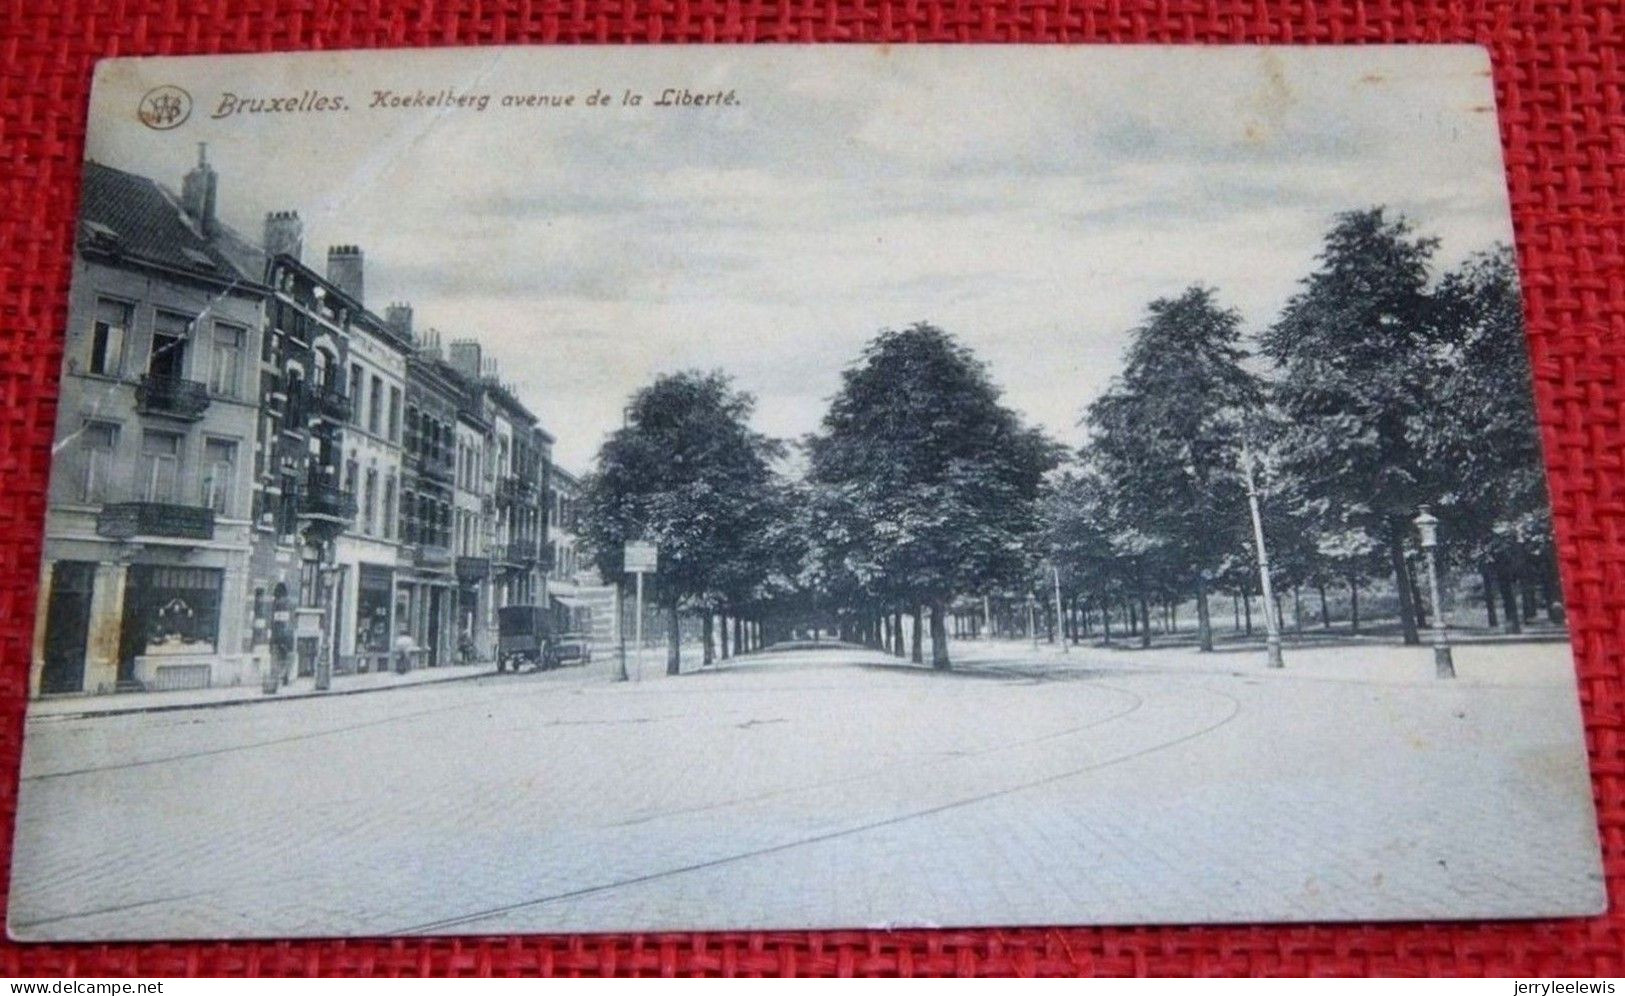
(375, 585)
(171, 626)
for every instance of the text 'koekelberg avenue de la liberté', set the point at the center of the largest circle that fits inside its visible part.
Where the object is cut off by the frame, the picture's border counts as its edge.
(315, 101)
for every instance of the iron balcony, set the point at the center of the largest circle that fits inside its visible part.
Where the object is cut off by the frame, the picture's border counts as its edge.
(473, 569)
(323, 500)
(518, 554)
(175, 397)
(131, 519)
(329, 402)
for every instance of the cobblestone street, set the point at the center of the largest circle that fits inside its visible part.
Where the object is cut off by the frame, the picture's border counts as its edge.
(827, 788)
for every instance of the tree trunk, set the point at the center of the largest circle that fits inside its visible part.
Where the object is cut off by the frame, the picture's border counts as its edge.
(1145, 620)
(1325, 613)
(1297, 611)
(707, 633)
(1402, 580)
(916, 653)
(1106, 618)
(1423, 608)
(1510, 621)
(1204, 618)
(674, 639)
(722, 638)
(1530, 609)
(738, 632)
(1247, 610)
(1235, 613)
(1354, 606)
(939, 638)
(1555, 612)
(897, 647)
(1491, 619)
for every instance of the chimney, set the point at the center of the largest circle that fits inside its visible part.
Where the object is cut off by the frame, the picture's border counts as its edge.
(398, 316)
(198, 192)
(284, 234)
(344, 270)
(429, 345)
(464, 356)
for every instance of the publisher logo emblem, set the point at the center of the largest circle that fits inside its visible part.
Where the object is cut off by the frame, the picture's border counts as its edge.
(164, 107)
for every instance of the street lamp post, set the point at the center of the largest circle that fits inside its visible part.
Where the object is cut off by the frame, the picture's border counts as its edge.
(1427, 525)
(1272, 625)
(1060, 624)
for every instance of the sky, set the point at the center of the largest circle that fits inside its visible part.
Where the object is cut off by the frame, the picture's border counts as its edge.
(1032, 201)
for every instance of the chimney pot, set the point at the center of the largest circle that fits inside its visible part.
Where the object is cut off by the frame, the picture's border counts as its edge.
(345, 270)
(284, 234)
(199, 188)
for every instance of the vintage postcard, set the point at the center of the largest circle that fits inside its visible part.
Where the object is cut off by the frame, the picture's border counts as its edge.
(520, 490)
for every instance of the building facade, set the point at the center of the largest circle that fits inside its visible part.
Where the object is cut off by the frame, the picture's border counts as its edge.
(237, 431)
(426, 595)
(474, 508)
(302, 502)
(147, 535)
(369, 554)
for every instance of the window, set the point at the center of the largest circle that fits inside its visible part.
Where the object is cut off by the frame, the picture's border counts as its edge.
(107, 334)
(168, 356)
(394, 414)
(349, 475)
(226, 368)
(389, 507)
(355, 393)
(369, 505)
(375, 406)
(97, 441)
(160, 465)
(309, 589)
(219, 474)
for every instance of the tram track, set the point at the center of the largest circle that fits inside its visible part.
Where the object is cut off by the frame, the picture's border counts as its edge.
(456, 923)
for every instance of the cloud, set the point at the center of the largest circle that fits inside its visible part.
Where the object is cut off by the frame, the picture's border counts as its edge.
(1032, 201)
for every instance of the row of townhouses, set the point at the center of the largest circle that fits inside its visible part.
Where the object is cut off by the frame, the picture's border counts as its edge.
(238, 432)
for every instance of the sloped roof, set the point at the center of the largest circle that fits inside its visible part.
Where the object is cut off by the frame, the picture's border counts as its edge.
(147, 222)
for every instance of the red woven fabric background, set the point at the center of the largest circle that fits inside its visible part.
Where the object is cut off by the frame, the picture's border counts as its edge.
(1559, 78)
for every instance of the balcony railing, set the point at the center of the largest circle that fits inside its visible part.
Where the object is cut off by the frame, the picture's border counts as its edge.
(437, 469)
(473, 568)
(432, 555)
(515, 489)
(322, 500)
(130, 519)
(175, 397)
(329, 401)
(518, 554)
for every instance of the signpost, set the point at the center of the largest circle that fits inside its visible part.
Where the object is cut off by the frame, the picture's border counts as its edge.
(640, 559)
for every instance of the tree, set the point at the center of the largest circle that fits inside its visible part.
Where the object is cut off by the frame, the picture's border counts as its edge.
(1495, 508)
(688, 474)
(1167, 437)
(1357, 359)
(932, 483)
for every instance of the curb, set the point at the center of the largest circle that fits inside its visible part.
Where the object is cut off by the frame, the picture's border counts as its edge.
(262, 700)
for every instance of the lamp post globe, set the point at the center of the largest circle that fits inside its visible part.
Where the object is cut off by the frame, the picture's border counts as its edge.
(1427, 526)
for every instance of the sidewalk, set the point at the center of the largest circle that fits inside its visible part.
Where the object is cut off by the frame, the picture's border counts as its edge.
(83, 706)
(1540, 660)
